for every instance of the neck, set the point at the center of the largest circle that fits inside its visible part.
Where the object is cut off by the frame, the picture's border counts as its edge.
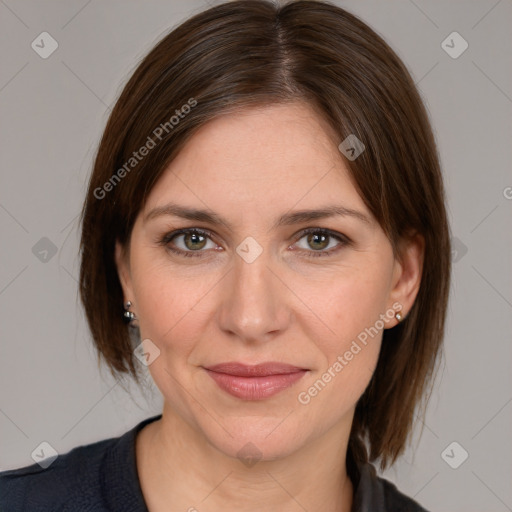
(177, 465)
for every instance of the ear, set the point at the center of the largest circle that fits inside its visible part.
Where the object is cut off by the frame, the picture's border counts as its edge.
(408, 271)
(123, 270)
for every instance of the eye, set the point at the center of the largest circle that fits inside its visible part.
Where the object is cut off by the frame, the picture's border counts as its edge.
(191, 242)
(188, 242)
(317, 240)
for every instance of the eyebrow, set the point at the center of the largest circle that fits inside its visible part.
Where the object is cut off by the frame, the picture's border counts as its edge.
(287, 219)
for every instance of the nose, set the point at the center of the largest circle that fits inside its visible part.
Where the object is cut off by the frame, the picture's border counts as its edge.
(254, 300)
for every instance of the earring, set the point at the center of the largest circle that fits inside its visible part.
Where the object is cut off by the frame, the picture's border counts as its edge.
(129, 315)
(399, 316)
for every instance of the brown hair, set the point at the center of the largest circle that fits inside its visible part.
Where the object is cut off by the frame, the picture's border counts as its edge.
(254, 53)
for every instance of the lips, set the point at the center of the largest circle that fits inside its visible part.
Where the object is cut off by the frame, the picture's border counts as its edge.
(258, 370)
(255, 382)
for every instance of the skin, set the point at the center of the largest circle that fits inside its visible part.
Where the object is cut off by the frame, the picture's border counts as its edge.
(250, 168)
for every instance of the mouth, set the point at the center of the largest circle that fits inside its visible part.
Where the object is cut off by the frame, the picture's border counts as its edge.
(255, 382)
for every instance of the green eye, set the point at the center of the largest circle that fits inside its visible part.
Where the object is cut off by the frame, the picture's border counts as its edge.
(317, 240)
(192, 242)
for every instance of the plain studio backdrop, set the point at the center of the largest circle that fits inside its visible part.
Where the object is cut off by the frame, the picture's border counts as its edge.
(54, 102)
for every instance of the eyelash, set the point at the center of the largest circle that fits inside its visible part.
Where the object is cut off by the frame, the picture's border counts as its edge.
(165, 241)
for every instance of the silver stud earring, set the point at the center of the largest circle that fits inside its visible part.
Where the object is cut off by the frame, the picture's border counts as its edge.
(129, 315)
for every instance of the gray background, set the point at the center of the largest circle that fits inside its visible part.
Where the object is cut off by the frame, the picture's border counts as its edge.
(52, 114)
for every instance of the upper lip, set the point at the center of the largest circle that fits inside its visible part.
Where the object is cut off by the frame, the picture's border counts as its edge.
(258, 370)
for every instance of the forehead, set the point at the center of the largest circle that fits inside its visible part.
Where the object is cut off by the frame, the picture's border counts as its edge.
(268, 158)
(269, 138)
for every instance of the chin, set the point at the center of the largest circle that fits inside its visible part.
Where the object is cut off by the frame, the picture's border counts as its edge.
(255, 439)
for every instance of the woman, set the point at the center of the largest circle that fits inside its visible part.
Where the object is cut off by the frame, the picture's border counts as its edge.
(266, 212)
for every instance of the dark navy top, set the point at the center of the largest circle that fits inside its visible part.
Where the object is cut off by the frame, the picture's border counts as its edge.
(102, 476)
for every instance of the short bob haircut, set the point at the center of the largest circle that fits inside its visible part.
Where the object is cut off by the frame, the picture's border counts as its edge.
(251, 53)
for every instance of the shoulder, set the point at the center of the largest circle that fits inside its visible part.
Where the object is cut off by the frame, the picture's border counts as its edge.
(376, 494)
(97, 477)
(71, 482)
(397, 501)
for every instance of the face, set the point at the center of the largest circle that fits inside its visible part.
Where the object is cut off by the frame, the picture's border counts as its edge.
(251, 281)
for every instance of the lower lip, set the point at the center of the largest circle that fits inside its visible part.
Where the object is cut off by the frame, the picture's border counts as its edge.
(255, 388)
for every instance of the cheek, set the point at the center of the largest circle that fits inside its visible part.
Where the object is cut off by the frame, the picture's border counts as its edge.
(169, 304)
(350, 308)
(169, 308)
(347, 303)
